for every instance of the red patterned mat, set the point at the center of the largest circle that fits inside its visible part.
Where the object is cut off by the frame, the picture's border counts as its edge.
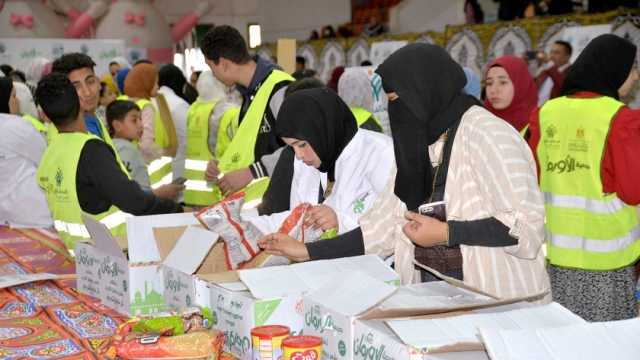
(49, 319)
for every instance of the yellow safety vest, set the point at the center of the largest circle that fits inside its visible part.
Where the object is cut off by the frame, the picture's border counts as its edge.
(363, 115)
(57, 177)
(240, 152)
(160, 171)
(42, 128)
(52, 132)
(586, 229)
(197, 190)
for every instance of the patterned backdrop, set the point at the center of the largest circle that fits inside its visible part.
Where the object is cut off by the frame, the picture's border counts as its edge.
(472, 46)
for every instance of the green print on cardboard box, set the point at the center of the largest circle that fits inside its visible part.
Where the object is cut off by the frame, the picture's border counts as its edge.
(148, 303)
(363, 348)
(314, 319)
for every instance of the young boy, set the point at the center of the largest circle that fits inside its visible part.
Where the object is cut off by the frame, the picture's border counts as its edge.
(125, 127)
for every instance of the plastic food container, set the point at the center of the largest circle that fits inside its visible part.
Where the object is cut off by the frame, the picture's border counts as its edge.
(302, 348)
(267, 341)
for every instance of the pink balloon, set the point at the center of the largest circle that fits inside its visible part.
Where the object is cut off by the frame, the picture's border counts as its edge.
(184, 26)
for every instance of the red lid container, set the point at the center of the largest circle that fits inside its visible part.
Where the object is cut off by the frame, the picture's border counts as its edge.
(302, 342)
(270, 331)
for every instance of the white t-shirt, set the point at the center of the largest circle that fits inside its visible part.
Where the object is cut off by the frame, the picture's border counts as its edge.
(22, 201)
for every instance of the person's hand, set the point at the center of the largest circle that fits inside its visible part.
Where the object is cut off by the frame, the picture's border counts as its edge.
(235, 180)
(284, 245)
(321, 216)
(212, 172)
(424, 230)
(168, 191)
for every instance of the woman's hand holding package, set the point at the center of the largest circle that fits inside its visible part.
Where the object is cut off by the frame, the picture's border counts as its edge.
(425, 231)
(321, 216)
(284, 245)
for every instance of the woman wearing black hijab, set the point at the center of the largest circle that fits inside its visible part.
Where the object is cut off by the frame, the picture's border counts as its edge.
(592, 249)
(449, 148)
(342, 167)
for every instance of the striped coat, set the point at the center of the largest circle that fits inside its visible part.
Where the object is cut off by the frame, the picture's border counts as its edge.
(491, 174)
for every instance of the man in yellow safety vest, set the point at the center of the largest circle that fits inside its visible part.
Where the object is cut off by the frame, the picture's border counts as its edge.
(80, 172)
(254, 150)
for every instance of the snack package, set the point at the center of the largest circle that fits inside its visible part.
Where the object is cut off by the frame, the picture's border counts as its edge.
(195, 345)
(294, 226)
(193, 320)
(240, 237)
(185, 336)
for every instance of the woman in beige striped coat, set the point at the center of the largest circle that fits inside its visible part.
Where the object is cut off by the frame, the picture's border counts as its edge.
(495, 211)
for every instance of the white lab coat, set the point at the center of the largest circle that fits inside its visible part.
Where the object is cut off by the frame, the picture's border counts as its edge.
(179, 109)
(22, 202)
(361, 173)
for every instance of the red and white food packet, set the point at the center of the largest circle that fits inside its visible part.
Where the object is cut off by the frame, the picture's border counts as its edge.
(240, 237)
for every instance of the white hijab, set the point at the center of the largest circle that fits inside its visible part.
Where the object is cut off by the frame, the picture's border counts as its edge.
(209, 88)
(25, 99)
(355, 89)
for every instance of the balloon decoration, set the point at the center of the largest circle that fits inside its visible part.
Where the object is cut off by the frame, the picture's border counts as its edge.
(139, 22)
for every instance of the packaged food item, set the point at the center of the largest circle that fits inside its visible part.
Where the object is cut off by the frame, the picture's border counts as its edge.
(240, 237)
(302, 348)
(195, 345)
(294, 226)
(267, 341)
(191, 320)
(185, 336)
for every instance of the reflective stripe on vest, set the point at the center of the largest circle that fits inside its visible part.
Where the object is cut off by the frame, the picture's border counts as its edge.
(585, 228)
(363, 115)
(240, 153)
(160, 172)
(57, 177)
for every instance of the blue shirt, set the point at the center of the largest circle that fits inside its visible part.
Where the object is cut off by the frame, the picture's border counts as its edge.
(93, 125)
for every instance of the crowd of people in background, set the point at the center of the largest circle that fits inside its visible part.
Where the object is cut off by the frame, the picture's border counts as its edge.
(536, 149)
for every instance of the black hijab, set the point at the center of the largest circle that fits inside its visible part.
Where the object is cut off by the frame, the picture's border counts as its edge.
(321, 118)
(431, 101)
(602, 67)
(6, 86)
(172, 77)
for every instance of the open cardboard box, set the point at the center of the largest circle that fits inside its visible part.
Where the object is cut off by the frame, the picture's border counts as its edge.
(334, 312)
(244, 299)
(128, 280)
(418, 337)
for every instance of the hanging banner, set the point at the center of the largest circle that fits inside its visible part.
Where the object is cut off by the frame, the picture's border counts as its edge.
(19, 52)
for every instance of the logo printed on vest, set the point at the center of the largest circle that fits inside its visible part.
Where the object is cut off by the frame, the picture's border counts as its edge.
(567, 165)
(265, 128)
(59, 177)
(551, 131)
(235, 158)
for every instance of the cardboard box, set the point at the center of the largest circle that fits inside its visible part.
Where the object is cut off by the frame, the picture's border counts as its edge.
(244, 299)
(454, 333)
(618, 340)
(338, 316)
(132, 284)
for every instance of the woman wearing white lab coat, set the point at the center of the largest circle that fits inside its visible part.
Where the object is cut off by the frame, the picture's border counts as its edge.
(338, 165)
